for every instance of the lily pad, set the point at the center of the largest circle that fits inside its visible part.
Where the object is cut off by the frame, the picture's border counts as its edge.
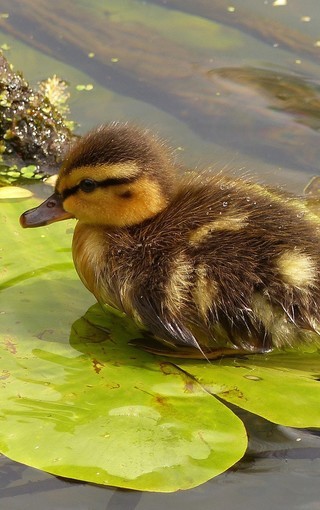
(79, 402)
(14, 192)
(282, 387)
(84, 404)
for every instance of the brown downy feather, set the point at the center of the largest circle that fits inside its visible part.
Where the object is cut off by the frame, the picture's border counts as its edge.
(201, 262)
(226, 264)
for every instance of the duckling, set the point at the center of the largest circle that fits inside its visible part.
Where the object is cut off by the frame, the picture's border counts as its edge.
(205, 264)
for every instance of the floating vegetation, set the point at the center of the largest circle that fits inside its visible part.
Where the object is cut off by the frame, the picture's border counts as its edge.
(34, 131)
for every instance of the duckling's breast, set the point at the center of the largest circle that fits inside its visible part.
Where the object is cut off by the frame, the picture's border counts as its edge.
(109, 263)
(90, 255)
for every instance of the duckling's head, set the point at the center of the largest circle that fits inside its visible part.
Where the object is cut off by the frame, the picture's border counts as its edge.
(116, 175)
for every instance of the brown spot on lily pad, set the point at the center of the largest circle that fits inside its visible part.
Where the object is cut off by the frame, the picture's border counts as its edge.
(10, 346)
(97, 365)
(161, 400)
(189, 386)
(113, 386)
(4, 374)
(234, 393)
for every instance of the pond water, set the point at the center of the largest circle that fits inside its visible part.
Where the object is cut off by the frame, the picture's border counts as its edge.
(232, 85)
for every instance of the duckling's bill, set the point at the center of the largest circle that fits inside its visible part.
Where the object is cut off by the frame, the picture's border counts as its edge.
(50, 211)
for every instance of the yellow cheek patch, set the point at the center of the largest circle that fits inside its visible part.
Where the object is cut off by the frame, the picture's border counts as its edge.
(85, 207)
(148, 199)
(296, 268)
(228, 223)
(205, 291)
(109, 205)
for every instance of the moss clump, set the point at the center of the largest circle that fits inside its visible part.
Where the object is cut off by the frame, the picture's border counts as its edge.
(34, 131)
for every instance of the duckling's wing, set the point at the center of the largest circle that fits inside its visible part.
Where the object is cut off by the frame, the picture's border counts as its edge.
(163, 325)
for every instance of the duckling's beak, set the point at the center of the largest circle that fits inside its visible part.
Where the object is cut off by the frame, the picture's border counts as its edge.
(48, 212)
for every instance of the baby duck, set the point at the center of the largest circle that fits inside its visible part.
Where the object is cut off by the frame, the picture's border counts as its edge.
(206, 264)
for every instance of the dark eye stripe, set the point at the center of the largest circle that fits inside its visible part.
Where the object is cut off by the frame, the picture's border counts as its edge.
(112, 181)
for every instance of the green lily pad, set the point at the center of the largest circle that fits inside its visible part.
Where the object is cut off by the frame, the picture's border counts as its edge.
(84, 404)
(14, 192)
(79, 402)
(282, 387)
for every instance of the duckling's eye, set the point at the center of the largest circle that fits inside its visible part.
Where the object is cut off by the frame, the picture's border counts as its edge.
(88, 185)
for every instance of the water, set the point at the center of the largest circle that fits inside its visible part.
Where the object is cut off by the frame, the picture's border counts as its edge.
(235, 86)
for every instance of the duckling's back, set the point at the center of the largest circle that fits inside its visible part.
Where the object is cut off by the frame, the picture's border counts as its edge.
(227, 264)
